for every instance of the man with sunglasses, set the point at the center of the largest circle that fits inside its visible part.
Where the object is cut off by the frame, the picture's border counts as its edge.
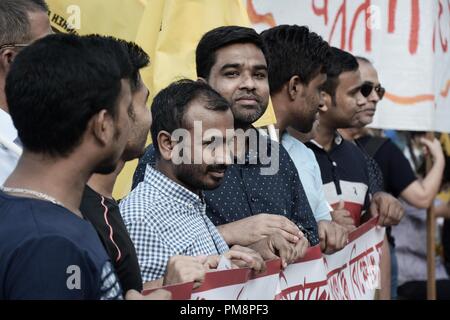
(21, 22)
(398, 176)
(345, 173)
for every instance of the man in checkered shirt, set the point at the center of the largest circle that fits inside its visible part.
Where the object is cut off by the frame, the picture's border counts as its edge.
(165, 214)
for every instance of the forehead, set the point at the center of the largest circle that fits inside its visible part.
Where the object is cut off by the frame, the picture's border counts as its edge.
(209, 119)
(368, 72)
(349, 80)
(239, 53)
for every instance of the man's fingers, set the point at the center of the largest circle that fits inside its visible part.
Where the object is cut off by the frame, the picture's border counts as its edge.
(286, 225)
(238, 255)
(286, 235)
(374, 208)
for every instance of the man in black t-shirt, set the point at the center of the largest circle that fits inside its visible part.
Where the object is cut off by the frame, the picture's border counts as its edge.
(68, 131)
(398, 176)
(99, 206)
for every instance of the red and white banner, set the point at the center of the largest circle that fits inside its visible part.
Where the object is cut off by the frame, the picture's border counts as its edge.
(350, 274)
(407, 40)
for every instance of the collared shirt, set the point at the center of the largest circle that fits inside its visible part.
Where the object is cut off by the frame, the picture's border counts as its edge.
(309, 172)
(247, 190)
(345, 175)
(252, 188)
(8, 158)
(165, 219)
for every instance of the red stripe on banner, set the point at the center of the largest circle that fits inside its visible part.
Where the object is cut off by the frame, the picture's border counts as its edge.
(362, 229)
(312, 253)
(302, 288)
(337, 270)
(363, 254)
(272, 267)
(223, 278)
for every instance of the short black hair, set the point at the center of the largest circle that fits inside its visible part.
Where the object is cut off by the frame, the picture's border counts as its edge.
(14, 23)
(170, 105)
(294, 50)
(136, 56)
(339, 62)
(56, 85)
(218, 38)
(139, 60)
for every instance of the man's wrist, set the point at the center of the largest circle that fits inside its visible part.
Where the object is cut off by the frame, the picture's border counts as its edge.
(226, 233)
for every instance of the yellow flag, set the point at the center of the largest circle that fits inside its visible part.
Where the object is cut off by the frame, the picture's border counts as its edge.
(445, 140)
(183, 24)
(168, 30)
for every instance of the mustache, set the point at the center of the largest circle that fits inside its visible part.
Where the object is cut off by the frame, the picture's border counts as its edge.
(249, 97)
(217, 167)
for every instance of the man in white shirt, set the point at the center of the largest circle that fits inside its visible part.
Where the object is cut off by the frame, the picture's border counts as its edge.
(21, 23)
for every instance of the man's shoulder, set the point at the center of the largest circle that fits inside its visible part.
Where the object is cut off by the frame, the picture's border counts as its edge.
(296, 148)
(145, 202)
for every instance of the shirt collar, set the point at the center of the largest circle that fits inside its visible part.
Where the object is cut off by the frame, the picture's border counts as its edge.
(7, 129)
(253, 153)
(171, 189)
(336, 142)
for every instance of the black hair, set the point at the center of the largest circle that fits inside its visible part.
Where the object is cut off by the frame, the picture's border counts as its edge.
(137, 58)
(339, 62)
(56, 85)
(170, 105)
(14, 22)
(218, 38)
(294, 50)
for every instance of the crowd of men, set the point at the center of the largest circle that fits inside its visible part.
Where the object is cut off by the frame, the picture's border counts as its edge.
(211, 185)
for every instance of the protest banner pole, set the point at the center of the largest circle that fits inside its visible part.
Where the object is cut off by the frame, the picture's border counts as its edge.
(431, 232)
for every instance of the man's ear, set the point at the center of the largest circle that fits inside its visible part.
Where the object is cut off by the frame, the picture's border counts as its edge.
(200, 79)
(328, 100)
(165, 145)
(295, 88)
(6, 59)
(102, 126)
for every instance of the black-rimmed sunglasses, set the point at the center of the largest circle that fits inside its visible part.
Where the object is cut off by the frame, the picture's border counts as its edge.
(368, 87)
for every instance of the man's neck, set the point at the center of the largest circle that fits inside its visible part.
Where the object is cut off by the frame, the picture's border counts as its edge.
(63, 179)
(281, 109)
(104, 183)
(166, 168)
(3, 96)
(352, 134)
(325, 136)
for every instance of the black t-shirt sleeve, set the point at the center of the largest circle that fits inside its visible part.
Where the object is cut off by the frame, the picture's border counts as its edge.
(397, 171)
(51, 268)
(114, 237)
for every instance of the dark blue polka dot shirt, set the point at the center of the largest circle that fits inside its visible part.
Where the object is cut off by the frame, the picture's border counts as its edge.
(247, 191)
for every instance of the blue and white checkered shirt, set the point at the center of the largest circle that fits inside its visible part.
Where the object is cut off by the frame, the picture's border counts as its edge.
(165, 219)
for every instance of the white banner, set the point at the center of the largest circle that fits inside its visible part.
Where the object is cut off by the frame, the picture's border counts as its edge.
(407, 40)
(350, 274)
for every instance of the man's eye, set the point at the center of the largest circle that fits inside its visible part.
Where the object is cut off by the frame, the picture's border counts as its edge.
(232, 74)
(260, 75)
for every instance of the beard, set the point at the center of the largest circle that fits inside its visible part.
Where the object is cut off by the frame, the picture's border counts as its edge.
(245, 115)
